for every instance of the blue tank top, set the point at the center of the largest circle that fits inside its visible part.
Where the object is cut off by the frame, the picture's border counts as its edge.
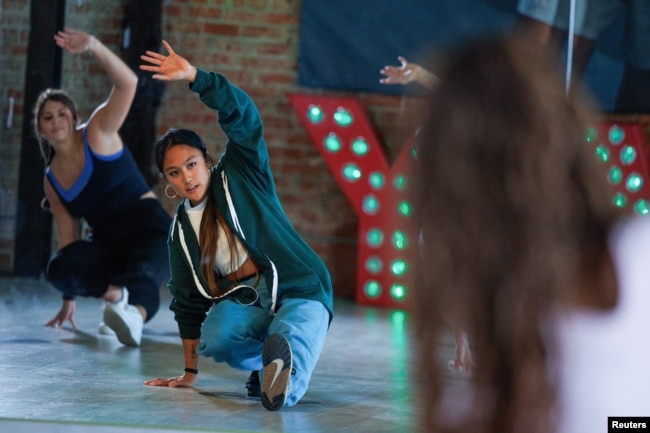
(107, 186)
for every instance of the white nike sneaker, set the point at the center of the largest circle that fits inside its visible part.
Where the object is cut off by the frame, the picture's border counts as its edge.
(125, 320)
(277, 360)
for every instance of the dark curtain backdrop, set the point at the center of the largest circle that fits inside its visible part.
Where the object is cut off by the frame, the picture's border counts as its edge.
(344, 43)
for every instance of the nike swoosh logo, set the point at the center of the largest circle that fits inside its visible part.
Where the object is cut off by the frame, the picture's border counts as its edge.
(279, 366)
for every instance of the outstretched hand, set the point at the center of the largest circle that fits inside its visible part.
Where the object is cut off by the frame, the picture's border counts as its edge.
(403, 74)
(185, 381)
(168, 67)
(73, 41)
(65, 314)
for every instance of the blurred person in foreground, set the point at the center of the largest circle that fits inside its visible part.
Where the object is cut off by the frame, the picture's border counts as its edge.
(521, 246)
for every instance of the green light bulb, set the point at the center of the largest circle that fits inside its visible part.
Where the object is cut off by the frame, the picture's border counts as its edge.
(602, 153)
(332, 142)
(372, 289)
(360, 146)
(404, 208)
(376, 180)
(398, 267)
(399, 240)
(399, 182)
(616, 135)
(351, 172)
(615, 175)
(370, 204)
(619, 200)
(314, 114)
(592, 134)
(641, 207)
(373, 265)
(634, 182)
(398, 292)
(374, 237)
(627, 155)
(343, 117)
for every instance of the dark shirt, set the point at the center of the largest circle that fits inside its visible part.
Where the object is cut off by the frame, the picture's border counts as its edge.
(107, 186)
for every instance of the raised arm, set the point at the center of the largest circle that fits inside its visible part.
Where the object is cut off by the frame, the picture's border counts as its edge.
(109, 116)
(238, 117)
(406, 73)
(170, 67)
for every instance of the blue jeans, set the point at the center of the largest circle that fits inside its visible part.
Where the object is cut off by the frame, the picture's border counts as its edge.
(234, 333)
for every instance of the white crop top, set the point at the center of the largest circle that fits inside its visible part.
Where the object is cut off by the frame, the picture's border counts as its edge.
(223, 262)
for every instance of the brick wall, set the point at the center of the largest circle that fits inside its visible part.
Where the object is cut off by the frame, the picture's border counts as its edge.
(255, 44)
(14, 28)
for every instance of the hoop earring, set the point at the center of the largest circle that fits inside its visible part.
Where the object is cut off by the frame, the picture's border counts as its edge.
(167, 193)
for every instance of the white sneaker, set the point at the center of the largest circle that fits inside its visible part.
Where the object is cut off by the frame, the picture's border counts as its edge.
(125, 320)
(103, 329)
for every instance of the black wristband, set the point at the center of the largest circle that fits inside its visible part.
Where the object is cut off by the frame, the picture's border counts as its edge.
(191, 370)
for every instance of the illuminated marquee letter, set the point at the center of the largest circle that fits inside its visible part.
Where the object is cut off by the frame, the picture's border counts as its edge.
(387, 243)
(386, 238)
(622, 147)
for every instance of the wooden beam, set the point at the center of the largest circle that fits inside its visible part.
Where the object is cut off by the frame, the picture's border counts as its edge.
(142, 31)
(33, 225)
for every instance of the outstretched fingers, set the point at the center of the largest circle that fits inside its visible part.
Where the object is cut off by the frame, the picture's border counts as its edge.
(156, 61)
(167, 47)
(174, 382)
(153, 57)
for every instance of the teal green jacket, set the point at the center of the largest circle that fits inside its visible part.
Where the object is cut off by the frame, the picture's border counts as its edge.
(244, 190)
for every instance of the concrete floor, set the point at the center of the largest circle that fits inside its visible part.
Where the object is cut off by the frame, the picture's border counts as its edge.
(81, 381)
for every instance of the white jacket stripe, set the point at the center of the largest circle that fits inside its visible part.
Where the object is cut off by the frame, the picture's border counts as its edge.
(197, 281)
(231, 207)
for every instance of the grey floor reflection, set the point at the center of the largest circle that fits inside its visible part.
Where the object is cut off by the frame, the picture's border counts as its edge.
(65, 380)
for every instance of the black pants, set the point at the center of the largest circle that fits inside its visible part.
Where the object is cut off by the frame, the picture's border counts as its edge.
(130, 250)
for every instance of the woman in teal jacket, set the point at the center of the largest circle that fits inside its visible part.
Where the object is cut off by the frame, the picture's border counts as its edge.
(247, 289)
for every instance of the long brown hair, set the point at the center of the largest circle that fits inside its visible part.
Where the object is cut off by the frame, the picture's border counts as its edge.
(57, 95)
(212, 218)
(514, 206)
(208, 244)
